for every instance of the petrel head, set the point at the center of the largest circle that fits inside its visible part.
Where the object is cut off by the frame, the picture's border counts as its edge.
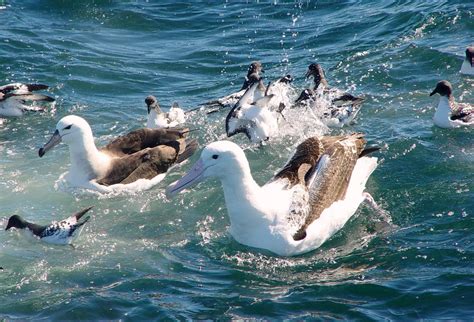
(16, 221)
(443, 88)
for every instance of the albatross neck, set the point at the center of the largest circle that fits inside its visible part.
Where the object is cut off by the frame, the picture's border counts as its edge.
(86, 159)
(243, 196)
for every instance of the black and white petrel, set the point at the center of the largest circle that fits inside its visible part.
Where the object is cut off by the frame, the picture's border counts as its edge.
(144, 154)
(340, 108)
(14, 96)
(62, 232)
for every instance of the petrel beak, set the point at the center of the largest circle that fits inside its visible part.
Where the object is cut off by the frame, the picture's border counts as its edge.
(263, 70)
(308, 74)
(55, 140)
(434, 92)
(193, 177)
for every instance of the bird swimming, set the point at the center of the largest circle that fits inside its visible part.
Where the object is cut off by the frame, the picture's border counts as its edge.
(157, 119)
(303, 205)
(450, 114)
(339, 108)
(62, 232)
(140, 154)
(14, 96)
(467, 66)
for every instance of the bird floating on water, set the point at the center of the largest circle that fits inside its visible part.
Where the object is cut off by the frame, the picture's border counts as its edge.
(62, 232)
(13, 98)
(305, 203)
(157, 119)
(450, 114)
(339, 108)
(467, 66)
(141, 154)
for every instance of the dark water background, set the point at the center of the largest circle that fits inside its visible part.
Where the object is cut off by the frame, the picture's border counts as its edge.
(143, 256)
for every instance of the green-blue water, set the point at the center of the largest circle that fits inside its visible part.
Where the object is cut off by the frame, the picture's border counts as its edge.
(146, 257)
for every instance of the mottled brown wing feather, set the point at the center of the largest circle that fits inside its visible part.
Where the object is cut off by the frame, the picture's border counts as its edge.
(145, 164)
(143, 138)
(331, 186)
(307, 153)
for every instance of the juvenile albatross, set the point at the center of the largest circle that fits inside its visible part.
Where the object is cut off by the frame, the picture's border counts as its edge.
(449, 113)
(157, 119)
(467, 66)
(141, 154)
(304, 204)
(341, 107)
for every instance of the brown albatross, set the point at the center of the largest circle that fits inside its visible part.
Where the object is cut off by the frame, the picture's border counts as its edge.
(141, 154)
(304, 204)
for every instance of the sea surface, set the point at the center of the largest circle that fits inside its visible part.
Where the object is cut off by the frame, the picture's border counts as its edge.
(143, 256)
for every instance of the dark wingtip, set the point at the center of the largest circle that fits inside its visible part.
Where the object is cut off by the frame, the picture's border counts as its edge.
(369, 150)
(36, 87)
(81, 213)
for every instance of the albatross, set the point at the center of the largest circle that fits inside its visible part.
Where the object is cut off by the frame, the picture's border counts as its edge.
(449, 113)
(340, 107)
(252, 117)
(14, 96)
(158, 119)
(303, 205)
(280, 88)
(62, 232)
(140, 154)
(467, 66)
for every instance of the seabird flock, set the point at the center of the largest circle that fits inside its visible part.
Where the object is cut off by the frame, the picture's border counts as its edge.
(304, 204)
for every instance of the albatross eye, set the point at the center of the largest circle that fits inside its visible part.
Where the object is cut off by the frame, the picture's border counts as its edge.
(215, 156)
(68, 127)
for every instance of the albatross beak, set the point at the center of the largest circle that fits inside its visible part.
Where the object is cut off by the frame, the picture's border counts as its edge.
(55, 140)
(194, 176)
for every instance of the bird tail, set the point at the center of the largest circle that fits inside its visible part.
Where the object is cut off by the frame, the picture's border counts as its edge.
(191, 147)
(81, 213)
(86, 219)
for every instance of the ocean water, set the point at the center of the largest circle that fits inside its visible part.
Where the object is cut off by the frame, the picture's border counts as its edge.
(146, 257)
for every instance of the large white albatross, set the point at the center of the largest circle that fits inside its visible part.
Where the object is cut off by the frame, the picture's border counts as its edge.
(304, 204)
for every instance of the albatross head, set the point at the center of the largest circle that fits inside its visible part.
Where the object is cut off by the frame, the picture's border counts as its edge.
(71, 130)
(470, 55)
(152, 104)
(219, 159)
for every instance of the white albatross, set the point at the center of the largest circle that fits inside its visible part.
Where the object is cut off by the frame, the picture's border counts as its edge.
(309, 200)
(450, 114)
(143, 155)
